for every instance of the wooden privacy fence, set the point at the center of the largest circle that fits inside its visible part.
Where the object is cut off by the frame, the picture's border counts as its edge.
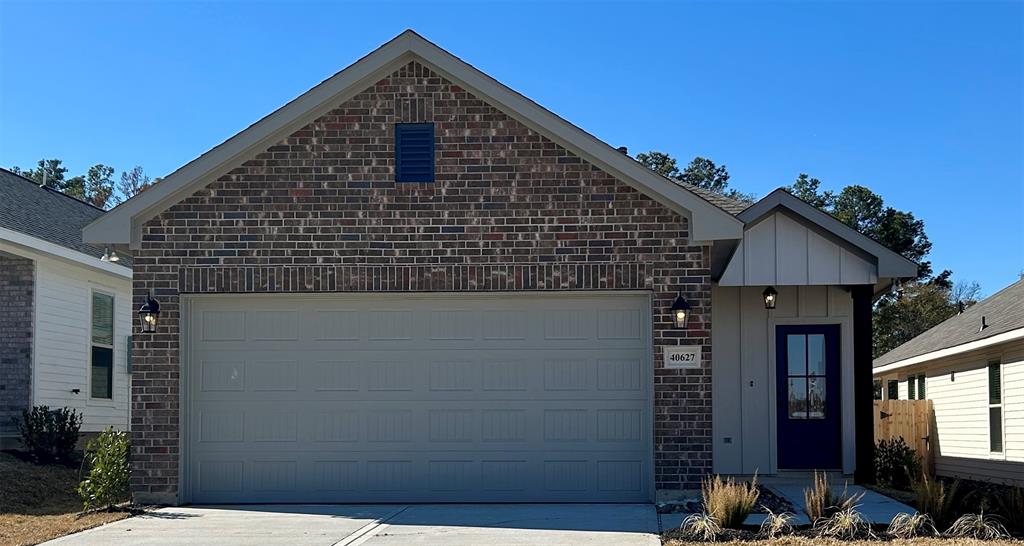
(911, 419)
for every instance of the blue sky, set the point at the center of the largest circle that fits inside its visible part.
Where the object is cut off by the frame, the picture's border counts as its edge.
(921, 102)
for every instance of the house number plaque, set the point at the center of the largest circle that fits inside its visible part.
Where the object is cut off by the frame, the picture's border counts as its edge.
(682, 357)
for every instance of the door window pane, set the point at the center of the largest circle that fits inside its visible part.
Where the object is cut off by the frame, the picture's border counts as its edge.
(816, 398)
(796, 354)
(797, 398)
(816, 354)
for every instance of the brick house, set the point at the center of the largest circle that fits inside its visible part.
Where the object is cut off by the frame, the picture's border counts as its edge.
(412, 283)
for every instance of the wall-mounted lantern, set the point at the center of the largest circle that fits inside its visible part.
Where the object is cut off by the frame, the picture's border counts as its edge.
(770, 296)
(680, 312)
(149, 314)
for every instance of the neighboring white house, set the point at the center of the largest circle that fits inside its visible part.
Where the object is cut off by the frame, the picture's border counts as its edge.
(64, 312)
(972, 369)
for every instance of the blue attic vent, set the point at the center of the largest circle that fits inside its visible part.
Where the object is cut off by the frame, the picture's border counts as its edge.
(414, 152)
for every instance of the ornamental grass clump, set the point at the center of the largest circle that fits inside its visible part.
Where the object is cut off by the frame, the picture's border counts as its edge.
(701, 527)
(934, 499)
(729, 502)
(775, 525)
(821, 503)
(978, 526)
(914, 525)
(847, 524)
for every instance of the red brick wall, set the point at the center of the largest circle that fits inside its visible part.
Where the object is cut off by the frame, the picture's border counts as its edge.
(510, 210)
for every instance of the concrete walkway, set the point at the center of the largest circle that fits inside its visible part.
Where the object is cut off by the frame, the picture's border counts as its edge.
(353, 525)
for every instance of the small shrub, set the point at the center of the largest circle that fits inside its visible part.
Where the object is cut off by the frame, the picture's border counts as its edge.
(1011, 506)
(911, 525)
(896, 463)
(775, 525)
(935, 500)
(701, 527)
(978, 526)
(50, 435)
(106, 483)
(843, 524)
(727, 501)
(822, 503)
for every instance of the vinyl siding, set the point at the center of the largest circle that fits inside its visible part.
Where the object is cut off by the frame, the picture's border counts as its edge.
(62, 349)
(958, 388)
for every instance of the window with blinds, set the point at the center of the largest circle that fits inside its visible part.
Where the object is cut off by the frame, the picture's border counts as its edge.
(995, 408)
(894, 390)
(101, 363)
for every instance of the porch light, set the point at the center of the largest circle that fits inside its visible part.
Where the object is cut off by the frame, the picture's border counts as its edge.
(770, 295)
(680, 312)
(149, 314)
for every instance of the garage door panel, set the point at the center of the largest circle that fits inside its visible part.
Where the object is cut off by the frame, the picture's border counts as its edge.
(443, 398)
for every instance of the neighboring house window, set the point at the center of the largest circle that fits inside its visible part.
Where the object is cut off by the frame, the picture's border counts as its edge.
(995, 408)
(878, 389)
(911, 392)
(414, 152)
(920, 387)
(894, 390)
(101, 365)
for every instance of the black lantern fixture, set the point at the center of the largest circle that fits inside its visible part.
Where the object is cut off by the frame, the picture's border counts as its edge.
(149, 314)
(770, 295)
(680, 312)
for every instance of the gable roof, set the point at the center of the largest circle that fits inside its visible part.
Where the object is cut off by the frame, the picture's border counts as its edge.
(1003, 312)
(724, 202)
(122, 225)
(890, 264)
(47, 214)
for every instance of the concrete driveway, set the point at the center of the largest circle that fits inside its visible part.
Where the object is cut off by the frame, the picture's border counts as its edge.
(351, 525)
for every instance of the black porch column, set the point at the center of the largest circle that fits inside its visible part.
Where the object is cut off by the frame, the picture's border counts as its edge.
(864, 426)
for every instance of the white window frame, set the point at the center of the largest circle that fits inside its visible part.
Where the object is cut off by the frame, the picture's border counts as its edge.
(113, 349)
(1002, 414)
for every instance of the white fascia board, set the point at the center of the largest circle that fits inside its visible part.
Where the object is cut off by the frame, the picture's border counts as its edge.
(1004, 337)
(35, 244)
(122, 224)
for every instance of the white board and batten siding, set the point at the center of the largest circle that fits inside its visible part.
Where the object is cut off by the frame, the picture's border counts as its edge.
(781, 251)
(958, 389)
(743, 396)
(61, 345)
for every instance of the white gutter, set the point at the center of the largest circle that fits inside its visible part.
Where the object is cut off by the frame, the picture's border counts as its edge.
(951, 351)
(36, 244)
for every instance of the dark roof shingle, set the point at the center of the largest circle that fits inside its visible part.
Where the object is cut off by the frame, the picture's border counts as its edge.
(1003, 311)
(46, 213)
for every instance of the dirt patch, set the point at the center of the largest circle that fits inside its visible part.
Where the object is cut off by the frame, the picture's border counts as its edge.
(39, 503)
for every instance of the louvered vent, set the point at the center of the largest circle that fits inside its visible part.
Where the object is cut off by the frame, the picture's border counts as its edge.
(414, 152)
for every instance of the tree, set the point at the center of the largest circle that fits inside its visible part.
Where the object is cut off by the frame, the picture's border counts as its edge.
(48, 172)
(132, 182)
(701, 172)
(99, 185)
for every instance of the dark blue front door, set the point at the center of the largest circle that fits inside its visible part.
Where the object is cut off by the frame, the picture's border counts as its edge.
(808, 397)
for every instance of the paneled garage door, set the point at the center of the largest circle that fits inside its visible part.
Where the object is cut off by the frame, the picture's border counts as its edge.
(419, 398)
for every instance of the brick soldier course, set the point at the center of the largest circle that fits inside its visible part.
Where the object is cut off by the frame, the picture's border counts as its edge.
(510, 210)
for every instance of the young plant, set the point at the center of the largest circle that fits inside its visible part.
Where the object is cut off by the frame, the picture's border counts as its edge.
(50, 435)
(775, 525)
(911, 525)
(935, 500)
(701, 527)
(107, 481)
(729, 502)
(847, 524)
(821, 503)
(1011, 507)
(978, 526)
(896, 463)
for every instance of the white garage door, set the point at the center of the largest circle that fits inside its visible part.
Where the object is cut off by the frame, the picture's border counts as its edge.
(419, 398)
